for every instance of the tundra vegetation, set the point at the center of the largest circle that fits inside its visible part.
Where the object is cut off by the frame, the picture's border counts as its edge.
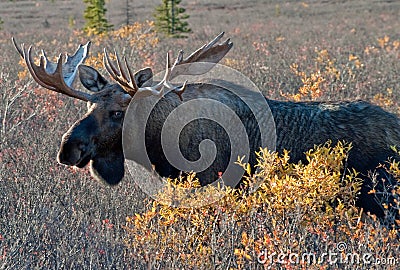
(57, 217)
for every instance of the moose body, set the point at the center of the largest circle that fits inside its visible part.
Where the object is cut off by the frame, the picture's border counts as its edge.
(299, 127)
(97, 137)
(371, 131)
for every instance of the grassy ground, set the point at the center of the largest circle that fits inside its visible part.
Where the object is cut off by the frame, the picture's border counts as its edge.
(54, 217)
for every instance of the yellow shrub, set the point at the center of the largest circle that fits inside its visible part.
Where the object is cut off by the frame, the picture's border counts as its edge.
(311, 189)
(136, 42)
(284, 207)
(327, 74)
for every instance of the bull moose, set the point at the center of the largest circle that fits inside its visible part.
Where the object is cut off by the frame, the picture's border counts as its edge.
(97, 136)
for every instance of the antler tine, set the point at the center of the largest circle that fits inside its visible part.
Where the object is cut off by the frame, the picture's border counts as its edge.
(214, 41)
(206, 47)
(129, 80)
(19, 50)
(28, 61)
(119, 75)
(179, 58)
(158, 89)
(27, 55)
(132, 82)
(167, 71)
(53, 81)
(112, 70)
(211, 53)
(121, 72)
(109, 66)
(179, 91)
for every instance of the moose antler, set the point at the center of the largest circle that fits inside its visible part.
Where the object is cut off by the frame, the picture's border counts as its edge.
(58, 76)
(209, 53)
(127, 80)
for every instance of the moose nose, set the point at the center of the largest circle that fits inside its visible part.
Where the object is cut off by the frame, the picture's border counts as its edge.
(73, 153)
(82, 146)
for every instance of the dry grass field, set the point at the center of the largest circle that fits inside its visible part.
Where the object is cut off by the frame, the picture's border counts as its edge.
(54, 217)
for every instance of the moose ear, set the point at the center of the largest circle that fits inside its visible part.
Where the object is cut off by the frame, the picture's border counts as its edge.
(91, 78)
(109, 169)
(144, 77)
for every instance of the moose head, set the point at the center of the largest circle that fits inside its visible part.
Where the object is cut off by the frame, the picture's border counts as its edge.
(96, 138)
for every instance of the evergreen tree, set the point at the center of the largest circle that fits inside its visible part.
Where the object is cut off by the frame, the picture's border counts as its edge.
(170, 18)
(95, 16)
(127, 8)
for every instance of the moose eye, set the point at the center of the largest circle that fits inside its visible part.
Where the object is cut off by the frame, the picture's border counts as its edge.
(117, 115)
